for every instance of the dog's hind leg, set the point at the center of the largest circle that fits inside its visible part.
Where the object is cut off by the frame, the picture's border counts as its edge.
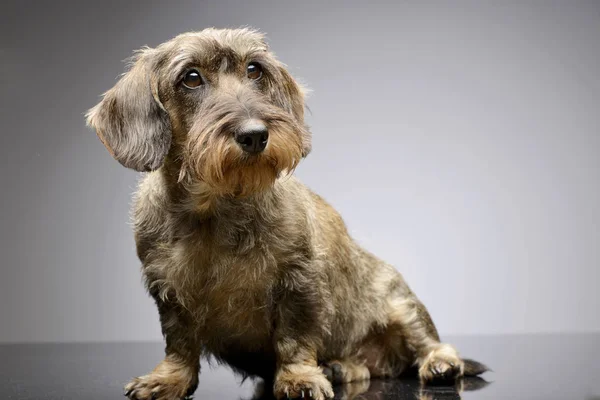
(435, 360)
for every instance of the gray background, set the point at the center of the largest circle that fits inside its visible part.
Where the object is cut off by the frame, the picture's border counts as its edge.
(460, 141)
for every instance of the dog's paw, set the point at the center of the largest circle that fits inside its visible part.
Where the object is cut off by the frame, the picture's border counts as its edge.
(298, 381)
(152, 387)
(168, 381)
(345, 371)
(441, 364)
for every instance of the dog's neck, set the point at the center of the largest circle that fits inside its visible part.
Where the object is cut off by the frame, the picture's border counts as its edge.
(192, 198)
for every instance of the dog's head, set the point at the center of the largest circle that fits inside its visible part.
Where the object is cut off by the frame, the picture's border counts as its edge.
(216, 103)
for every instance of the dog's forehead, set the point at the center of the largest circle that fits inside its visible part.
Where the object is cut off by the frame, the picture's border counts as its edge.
(210, 46)
(239, 40)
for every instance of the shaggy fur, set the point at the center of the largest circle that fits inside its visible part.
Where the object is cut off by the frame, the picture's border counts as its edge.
(244, 262)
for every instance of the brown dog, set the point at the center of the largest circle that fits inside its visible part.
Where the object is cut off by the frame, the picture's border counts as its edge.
(244, 262)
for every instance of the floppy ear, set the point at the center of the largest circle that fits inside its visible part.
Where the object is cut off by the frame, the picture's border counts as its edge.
(130, 120)
(293, 95)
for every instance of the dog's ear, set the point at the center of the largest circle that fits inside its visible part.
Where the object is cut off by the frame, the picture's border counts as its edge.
(131, 121)
(293, 99)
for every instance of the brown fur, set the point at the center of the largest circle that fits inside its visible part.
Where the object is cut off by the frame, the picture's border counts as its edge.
(244, 262)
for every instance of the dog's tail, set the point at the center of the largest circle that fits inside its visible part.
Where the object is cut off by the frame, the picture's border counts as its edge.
(474, 368)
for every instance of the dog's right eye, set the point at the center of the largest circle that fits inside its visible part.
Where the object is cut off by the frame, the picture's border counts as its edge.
(192, 79)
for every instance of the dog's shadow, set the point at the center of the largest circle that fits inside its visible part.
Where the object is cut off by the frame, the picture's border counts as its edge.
(405, 389)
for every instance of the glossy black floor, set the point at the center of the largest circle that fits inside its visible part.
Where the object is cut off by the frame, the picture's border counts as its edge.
(524, 367)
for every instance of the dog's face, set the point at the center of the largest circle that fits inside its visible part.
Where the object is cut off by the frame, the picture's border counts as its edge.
(216, 103)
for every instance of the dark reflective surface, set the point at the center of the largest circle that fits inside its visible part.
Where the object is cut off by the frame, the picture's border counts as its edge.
(399, 389)
(525, 367)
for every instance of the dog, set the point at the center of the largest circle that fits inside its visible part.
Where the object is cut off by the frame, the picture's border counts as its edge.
(245, 263)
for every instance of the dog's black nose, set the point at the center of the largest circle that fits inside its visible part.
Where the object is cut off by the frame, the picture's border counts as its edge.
(253, 139)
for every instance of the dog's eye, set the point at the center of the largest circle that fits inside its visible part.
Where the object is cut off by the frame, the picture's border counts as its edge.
(254, 71)
(192, 79)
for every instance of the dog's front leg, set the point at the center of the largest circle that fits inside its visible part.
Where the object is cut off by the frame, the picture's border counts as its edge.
(176, 376)
(301, 322)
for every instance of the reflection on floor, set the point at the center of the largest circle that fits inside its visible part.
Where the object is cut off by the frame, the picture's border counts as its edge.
(406, 389)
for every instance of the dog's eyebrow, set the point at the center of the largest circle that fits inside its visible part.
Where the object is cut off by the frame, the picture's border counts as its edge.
(178, 63)
(223, 66)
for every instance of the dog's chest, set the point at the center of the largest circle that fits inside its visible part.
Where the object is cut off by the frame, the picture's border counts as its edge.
(233, 295)
(238, 301)
(235, 270)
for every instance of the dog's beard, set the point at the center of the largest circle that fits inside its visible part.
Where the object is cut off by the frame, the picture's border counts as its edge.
(214, 158)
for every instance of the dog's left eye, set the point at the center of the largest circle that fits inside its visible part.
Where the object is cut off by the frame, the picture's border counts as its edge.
(192, 79)
(254, 71)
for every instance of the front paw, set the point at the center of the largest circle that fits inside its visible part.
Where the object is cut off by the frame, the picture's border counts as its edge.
(168, 381)
(299, 381)
(441, 364)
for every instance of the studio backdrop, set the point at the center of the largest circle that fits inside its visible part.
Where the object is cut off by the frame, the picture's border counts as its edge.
(459, 140)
